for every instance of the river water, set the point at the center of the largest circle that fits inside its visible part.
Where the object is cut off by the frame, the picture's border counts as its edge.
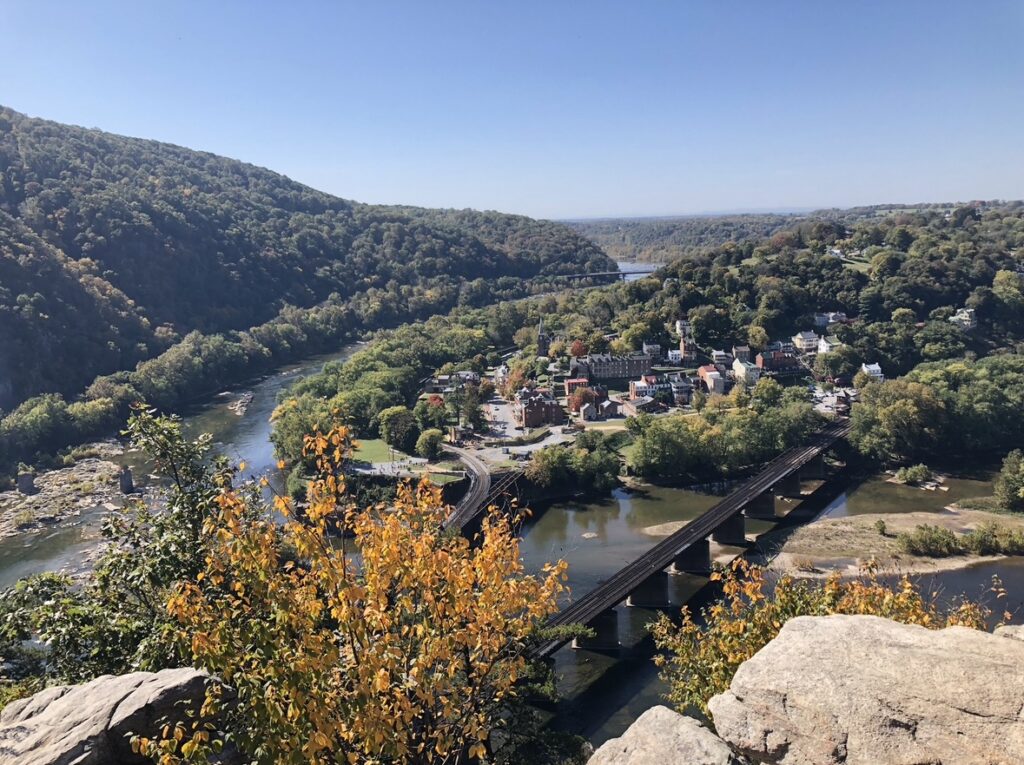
(66, 547)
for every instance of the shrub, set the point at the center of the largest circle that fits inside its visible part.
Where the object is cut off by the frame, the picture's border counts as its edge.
(932, 541)
(914, 475)
(702, 655)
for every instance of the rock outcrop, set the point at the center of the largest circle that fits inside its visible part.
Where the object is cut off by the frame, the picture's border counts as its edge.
(865, 690)
(663, 737)
(92, 724)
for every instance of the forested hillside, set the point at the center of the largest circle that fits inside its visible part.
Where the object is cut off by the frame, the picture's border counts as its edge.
(662, 240)
(112, 249)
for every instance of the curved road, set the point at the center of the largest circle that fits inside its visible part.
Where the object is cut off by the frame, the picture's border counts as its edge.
(479, 483)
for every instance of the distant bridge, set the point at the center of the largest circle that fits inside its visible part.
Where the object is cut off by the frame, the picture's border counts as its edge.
(644, 582)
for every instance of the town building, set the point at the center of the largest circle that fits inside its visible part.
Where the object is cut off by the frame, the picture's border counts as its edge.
(741, 352)
(782, 346)
(648, 385)
(543, 340)
(684, 329)
(777, 363)
(589, 412)
(745, 372)
(965, 319)
(827, 319)
(805, 342)
(687, 349)
(721, 358)
(610, 408)
(635, 406)
(713, 380)
(534, 408)
(674, 356)
(575, 382)
(682, 388)
(874, 371)
(604, 366)
(653, 350)
(448, 383)
(827, 344)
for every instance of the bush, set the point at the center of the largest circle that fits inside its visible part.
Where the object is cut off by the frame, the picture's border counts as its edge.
(428, 445)
(930, 541)
(702, 655)
(914, 475)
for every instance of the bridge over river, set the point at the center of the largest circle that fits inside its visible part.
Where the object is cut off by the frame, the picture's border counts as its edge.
(644, 581)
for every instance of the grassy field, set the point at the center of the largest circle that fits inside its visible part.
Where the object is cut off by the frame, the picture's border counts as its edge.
(375, 450)
(606, 426)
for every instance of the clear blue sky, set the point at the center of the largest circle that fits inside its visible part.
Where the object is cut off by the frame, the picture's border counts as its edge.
(553, 109)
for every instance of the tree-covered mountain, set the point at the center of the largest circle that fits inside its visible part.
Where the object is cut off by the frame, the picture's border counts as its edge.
(112, 249)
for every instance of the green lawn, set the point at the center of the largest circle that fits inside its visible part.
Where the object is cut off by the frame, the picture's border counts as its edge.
(375, 450)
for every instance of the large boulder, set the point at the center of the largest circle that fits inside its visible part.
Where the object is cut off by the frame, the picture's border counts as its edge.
(92, 724)
(864, 690)
(663, 737)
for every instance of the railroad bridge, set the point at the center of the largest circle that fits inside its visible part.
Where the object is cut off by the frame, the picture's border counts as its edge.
(644, 582)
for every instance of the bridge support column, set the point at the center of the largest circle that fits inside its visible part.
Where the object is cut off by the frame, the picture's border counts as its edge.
(695, 559)
(732, 531)
(761, 506)
(606, 633)
(651, 593)
(790, 485)
(815, 469)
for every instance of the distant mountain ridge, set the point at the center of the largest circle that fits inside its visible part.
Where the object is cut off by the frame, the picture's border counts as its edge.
(113, 248)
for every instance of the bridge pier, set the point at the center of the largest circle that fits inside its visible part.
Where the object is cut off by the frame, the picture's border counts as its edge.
(732, 531)
(695, 559)
(761, 506)
(651, 593)
(790, 485)
(815, 469)
(606, 633)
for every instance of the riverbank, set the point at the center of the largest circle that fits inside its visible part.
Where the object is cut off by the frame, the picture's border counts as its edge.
(847, 544)
(64, 493)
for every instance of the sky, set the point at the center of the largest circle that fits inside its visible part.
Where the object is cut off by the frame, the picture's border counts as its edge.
(553, 109)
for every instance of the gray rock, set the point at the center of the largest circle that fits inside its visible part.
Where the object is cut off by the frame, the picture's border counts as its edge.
(1014, 631)
(663, 737)
(91, 724)
(864, 690)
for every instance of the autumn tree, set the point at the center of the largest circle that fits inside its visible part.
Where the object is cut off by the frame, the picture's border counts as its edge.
(412, 656)
(578, 348)
(703, 652)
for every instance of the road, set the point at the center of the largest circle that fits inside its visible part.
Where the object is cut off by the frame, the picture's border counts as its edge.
(618, 587)
(479, 483)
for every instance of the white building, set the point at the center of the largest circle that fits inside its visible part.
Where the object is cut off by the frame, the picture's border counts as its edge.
(674, 356)
(721, 357)
(745, 372)
(827, 319)
(874, 371)
(965, 319)
(653, 350)
(827, 344)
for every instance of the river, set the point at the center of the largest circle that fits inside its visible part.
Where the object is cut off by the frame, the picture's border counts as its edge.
(67, 547)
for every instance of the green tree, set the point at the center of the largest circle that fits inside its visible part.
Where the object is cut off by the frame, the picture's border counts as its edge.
(398, 428)
(428, 445)
(1009, 488)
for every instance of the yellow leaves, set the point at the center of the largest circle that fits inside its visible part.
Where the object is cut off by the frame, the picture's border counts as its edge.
(370, 662)
(701, 660)
(281, 464)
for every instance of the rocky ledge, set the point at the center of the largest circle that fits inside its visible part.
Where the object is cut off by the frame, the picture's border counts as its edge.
(853, 689)
(92, 724)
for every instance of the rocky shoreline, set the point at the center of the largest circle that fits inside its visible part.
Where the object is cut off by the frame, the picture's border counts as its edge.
(847, 544)
(64, 493)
